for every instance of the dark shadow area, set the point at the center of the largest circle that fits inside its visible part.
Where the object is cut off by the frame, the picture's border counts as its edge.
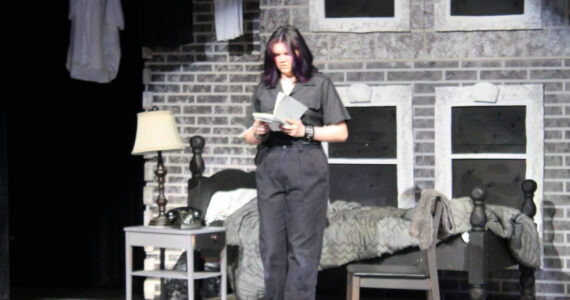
(73, 184)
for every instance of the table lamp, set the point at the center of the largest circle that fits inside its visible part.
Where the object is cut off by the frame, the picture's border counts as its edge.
(156, 131)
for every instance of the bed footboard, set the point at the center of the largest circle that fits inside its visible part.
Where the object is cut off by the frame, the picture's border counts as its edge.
(477, 249)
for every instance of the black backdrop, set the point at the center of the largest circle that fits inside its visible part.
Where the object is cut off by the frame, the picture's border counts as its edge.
(72, 183)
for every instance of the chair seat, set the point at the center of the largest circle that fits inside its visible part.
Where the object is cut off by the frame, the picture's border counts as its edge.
(380, 271)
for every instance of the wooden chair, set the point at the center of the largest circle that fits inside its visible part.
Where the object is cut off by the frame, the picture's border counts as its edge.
(402, 277)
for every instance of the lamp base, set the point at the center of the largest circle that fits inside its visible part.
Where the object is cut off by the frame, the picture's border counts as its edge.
(159, 221)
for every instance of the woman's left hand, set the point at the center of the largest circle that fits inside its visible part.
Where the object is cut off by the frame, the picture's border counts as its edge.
(294, 129)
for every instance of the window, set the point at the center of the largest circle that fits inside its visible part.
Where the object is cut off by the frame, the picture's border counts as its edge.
(360, 15)
(465, 15)
(492, 144)
(375, 165)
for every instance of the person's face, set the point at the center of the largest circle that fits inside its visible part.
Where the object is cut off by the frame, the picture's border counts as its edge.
(283, 59)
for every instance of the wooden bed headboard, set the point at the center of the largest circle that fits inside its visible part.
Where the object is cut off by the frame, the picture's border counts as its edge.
(201, 188)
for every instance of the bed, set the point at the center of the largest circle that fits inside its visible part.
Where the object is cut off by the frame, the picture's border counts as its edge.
(499, 236)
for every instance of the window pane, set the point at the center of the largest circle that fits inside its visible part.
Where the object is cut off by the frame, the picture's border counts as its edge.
(359, 8)
(371, 134)
(501, 178)
(489, 129)
(486, 7)
(374, 185)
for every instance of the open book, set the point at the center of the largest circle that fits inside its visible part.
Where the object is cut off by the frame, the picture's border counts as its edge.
(286, 107)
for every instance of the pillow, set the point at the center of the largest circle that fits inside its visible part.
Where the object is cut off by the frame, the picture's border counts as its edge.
(224, 203)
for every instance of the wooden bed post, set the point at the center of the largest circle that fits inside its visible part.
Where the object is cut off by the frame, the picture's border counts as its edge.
(477, 258)
(197, 163)
(527, 278)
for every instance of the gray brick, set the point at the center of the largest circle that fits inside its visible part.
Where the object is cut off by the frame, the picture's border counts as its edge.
(550, 74)
(365, 76)
(254, 68)
(551, 288)
(567, 110)
(180, 78)
(221, 88)
(398, 45)
(239, 161)
(197, 67)
(196, 130)
(236, 88)
(180, 99)
(211, 99)
(422, 111)
(196, 88)
(425, 184)
(335, 76)
(227, 131)
(553, 134)
(567, 134)
(217, 140)
(228, 109)
(425, 160)
(228, 68)
(194, 109)
(318, 43)
(424, 135)
(482, 64)
(423, 123)
(186, 120)
(163, 88)
(345, 66)
(435, 64)
(158, 78)
(556, 98)
(556, 122)
(212, 78)
(414, 76)
(181, 58)
(423, 100)
(552, 161)
(244, 78)
(212, 120)
(554, 187)
(240, 99)
(424, 173)
(389, 65)
(429, 88)
(553, 86)
(503, 74)
(424, 147)
(460, 75)
(557, 173)
(552, 147)
(210, 160)
(228, 150)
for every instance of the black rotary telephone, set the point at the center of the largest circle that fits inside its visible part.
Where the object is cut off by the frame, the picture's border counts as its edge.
(185, 217)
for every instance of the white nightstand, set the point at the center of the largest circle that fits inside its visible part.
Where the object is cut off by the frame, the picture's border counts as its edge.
(147, 236)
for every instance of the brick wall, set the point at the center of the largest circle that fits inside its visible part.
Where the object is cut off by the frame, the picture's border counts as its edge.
(208, 85)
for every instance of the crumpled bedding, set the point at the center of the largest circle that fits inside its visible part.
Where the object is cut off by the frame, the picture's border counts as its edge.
(356, 232)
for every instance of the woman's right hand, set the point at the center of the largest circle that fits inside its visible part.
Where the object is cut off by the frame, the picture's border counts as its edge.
(260, 127)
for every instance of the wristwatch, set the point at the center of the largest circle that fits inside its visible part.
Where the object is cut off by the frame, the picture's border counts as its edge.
(309, 132)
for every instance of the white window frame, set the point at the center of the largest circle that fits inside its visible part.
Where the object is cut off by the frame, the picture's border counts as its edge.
(400, 97)
(400, 21)
(444, 21)
(527, 95)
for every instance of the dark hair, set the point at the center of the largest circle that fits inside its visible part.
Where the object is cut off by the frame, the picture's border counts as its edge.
(302, 67)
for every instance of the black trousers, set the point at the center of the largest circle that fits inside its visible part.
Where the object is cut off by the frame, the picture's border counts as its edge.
(292, 187)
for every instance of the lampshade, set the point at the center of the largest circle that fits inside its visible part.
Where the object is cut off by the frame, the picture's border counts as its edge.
(156, 131)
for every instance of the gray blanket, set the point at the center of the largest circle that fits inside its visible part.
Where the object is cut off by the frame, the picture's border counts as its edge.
(356, 232)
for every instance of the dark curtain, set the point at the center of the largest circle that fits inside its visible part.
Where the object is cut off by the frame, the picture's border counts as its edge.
(73, 184)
